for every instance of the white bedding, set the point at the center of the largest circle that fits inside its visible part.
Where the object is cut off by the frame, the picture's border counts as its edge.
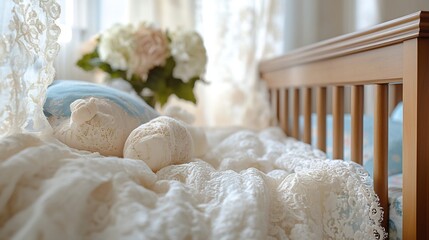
(250, 185)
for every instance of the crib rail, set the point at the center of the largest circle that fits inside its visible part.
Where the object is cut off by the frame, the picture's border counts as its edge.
(395, 52)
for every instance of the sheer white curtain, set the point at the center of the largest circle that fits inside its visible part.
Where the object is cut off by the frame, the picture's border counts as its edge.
(28, 47)
(237, 35)
(79, 21)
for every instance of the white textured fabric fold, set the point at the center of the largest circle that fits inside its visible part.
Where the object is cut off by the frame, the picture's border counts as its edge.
(249, 186)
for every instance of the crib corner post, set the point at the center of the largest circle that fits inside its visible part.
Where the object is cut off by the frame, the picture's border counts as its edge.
(416, 139)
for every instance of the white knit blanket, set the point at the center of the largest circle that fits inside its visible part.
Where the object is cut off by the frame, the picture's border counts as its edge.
(250, 185)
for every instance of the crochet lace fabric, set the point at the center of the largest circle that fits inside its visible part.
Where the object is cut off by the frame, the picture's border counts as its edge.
(249, 186)
(161, 142)
(28, 47)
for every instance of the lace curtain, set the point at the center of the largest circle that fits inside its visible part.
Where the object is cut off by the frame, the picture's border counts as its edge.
(237, 35)
(28, 46)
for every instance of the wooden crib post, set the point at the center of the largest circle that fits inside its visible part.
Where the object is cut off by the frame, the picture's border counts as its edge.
(357, 124)
(277, 94)
(338, 120)
(416, 139)
(307, 116)
(321, 118)
(295, 122)
(284, 110)
(274, 103)
(381, 117)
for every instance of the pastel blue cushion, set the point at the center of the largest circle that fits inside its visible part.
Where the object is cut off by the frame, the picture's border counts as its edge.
(63, 92)
(394, 145)
(394, 153)
(397, 113)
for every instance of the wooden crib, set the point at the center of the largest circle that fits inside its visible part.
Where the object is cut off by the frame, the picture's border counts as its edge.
(392, 53)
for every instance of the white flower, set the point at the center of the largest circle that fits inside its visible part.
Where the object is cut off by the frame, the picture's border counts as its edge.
(150, 50)
(115, 46)
(189, 53)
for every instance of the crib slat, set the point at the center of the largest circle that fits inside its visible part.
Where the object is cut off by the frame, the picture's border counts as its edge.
(380, 147)
(274, 102)
(278, 105)
(357, 124)
(321, 118)
(295, 122)
(284, 110)
(338, 122)
(307, 115)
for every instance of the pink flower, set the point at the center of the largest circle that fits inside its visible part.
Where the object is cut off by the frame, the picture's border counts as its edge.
(151, 49)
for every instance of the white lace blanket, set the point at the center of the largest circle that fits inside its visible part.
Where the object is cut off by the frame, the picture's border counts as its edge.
(249, 186)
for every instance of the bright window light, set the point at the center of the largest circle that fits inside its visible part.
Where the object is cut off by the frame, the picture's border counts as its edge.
(66, 21)
(367, 13)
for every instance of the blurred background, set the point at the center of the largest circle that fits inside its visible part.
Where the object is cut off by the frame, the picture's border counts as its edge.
(237, 35)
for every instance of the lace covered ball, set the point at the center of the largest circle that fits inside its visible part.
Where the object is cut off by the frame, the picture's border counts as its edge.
(159, 143)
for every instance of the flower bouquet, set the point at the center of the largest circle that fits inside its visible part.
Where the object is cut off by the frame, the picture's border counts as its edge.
(156, 63)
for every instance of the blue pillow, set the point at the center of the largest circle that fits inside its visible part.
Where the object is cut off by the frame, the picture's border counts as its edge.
(62, 93)
(397, 113)
(394, 153)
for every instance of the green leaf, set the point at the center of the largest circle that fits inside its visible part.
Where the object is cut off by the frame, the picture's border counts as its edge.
(192, 81)
(162, 96)
(186, 91)
(156, 82)
(158, 76)
(150, 100)
(137, 83)
(86, 62)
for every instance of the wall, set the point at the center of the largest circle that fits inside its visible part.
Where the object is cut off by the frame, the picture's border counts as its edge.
(391, 9)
